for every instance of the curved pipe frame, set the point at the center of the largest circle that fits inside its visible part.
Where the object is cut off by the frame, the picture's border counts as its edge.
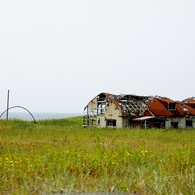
(19, 107)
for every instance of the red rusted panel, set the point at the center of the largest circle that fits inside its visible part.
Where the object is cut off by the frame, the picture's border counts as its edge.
(189, 102)
(132, 105)
(160, 107)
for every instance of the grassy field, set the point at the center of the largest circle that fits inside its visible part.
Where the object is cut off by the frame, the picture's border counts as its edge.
(59, 156)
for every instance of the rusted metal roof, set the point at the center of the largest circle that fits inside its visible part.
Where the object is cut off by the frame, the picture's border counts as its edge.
(189, 102)
(137, 106)
(160, 107)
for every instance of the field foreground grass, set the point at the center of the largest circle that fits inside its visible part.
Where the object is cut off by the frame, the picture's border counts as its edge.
(59, 156)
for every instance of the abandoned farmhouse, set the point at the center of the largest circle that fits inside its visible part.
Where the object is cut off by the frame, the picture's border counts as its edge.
(108, 110)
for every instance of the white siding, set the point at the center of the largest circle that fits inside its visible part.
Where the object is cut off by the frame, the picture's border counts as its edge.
(181, 122)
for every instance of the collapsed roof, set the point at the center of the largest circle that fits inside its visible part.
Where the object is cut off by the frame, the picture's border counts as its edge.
(136, 106)
(190, 102)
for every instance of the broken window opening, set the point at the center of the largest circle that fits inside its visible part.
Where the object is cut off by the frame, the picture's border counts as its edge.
(101, 108)
(189, 124)
(171, 106)
(157, 125)
(174, 125)
(101, 97)
(111, 123)
(145, 124)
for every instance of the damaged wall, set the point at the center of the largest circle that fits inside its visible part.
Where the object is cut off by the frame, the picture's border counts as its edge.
(180, 122)
(107, 110)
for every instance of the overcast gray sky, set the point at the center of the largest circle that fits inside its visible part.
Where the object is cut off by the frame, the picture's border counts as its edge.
(55, 56)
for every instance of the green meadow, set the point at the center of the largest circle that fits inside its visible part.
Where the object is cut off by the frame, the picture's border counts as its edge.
(59, 156)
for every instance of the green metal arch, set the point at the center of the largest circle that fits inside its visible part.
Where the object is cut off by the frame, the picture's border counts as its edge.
(19, 107)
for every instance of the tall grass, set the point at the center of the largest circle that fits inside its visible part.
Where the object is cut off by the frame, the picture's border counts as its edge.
(59, 156)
